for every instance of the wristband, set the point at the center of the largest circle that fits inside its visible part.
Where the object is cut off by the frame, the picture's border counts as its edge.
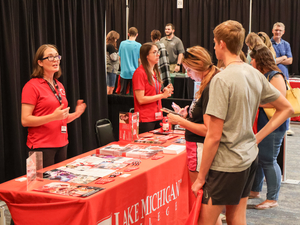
(178, 64)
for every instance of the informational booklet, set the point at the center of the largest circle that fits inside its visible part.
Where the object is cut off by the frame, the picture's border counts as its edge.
(61, 188)
(174, 149)
(115, 150)
(141, 153)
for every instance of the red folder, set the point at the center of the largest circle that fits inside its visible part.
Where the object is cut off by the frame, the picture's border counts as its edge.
(194, 214)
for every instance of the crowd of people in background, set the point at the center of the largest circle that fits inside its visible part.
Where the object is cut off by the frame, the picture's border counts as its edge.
(225, 157)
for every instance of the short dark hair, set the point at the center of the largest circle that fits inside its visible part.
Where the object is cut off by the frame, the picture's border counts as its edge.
(170, 24)
(155, 35)
(133, 31)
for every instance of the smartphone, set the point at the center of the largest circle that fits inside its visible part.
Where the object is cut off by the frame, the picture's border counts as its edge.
(170, 111)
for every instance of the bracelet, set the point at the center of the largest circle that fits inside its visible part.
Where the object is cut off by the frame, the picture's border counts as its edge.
(178, 64)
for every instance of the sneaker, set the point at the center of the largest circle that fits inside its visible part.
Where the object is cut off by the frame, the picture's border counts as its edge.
(290, 132)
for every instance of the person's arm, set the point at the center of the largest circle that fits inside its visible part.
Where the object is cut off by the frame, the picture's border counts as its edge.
(210, 148)
(29, 120)
(142, 99)
(283, 111)
(278, 82)
(80, 108)
(179, 60)
(287, 61)
(196, 128)
(280, 59)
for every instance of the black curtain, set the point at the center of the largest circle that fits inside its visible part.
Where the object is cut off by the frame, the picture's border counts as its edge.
(116, 18)
(77, 29)
(194, 23)
(268, 12)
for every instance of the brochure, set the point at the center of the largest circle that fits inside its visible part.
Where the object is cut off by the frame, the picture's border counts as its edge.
(174, 149)
(68, 189)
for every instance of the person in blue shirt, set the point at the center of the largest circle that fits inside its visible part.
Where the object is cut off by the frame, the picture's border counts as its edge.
(129, 53)
(282, 48)
(284, 55)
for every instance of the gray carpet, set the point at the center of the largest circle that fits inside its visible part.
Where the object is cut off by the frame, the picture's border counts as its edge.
(288, 212)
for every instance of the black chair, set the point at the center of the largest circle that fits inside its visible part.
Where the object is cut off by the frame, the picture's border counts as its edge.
(104, 132)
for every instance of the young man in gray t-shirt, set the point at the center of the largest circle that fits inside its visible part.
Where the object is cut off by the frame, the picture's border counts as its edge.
(230, 148)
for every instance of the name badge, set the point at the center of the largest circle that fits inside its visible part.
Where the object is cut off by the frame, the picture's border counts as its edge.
(158, 115)
(64, 129)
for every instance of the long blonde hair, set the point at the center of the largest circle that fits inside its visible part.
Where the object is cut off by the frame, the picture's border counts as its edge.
(252, 40)
(266, 39)
(198, 59)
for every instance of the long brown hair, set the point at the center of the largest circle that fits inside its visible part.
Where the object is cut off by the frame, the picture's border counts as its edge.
(144, 52)
(198, 59)
(111, 38)
(264, 59)
(38, 71)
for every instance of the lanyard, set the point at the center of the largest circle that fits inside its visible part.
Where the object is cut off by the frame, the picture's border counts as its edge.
(156, 89)
(58, 96)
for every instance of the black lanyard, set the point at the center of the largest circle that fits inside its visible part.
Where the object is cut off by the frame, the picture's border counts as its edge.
(58, 96)
(156, 89)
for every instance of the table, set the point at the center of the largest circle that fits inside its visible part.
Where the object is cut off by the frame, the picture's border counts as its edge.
(157, 193)
(295, 83)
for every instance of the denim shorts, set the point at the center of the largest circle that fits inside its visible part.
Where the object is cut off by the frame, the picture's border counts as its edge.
(111, 79)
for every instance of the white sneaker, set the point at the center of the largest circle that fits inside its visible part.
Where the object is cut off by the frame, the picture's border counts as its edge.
(290, 132)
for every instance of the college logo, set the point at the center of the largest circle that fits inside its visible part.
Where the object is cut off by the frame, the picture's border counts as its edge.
(62, 91)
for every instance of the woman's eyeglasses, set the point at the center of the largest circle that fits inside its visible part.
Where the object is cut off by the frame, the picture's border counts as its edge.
(156, 53)
(51, 58)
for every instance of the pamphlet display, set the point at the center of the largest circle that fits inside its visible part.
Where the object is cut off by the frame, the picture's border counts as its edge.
(128, 126)
(68, 189)
(87, 169)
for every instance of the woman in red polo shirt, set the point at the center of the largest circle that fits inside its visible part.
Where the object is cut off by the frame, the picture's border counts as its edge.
(45, 108)
(146, 84)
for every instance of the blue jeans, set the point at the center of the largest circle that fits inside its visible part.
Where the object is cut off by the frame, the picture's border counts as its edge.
(267, 165)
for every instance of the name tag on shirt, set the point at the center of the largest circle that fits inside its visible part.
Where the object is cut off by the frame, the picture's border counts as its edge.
(158, 115)
(64, 129)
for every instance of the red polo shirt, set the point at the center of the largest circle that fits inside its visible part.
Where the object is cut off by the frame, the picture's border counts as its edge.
(140, 82)
(38, 93)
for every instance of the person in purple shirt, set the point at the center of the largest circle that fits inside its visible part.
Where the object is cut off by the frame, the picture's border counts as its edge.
(284, 56)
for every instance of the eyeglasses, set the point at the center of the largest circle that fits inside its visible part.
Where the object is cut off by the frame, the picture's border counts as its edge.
(51, 58)
(187, 54)
(156, 53)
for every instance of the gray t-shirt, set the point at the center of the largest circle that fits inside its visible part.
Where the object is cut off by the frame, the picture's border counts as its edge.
(174, 48)
(234, 96)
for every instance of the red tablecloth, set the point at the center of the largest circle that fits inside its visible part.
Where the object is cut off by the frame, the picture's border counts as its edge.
(157, 193)
(295, 83)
